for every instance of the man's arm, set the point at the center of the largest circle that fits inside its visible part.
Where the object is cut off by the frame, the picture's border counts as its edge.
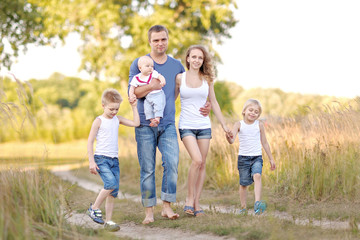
(142, 91)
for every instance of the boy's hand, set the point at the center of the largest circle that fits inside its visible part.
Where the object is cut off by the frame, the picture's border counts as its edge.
(93, 167)
(272, 165)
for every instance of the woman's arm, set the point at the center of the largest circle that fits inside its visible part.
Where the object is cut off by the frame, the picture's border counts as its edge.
(216, 108)
(177, 85)
(231, 135)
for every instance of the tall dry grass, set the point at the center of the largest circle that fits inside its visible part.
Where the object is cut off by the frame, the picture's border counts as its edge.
(317, 156)
(32, 206)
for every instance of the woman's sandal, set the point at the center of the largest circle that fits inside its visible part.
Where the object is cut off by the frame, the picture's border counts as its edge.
(189, 210)
(199, 213)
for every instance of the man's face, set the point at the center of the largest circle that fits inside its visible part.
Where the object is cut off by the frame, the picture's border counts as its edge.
(158, 42)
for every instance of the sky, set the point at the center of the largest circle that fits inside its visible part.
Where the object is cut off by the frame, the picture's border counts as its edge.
(307, 46)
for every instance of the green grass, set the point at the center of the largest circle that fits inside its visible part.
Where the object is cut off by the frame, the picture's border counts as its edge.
(239, 227)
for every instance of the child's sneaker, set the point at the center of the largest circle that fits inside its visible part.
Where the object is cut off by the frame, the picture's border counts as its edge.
(111, 226)
(95, 215)
(259, 207)
(243, 212)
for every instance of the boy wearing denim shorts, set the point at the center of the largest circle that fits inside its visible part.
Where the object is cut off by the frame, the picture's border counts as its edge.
(105, 160)
(251, 138)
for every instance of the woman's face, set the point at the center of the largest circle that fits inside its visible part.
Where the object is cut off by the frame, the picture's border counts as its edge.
(195, 59)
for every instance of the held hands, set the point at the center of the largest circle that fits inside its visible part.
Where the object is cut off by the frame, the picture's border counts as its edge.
(132, 99)
(229, 135)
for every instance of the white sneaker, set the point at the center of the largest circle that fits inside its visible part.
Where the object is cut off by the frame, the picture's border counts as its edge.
(111, 226)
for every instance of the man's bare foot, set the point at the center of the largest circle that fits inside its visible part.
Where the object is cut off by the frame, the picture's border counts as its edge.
(167, 212)
(149, 215)
(154, 122)
(147, 220)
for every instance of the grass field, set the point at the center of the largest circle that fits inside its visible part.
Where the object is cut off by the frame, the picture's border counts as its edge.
(317, 177)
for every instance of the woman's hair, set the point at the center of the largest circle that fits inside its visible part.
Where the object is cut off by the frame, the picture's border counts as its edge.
(249, 102)
(207, 69)
(111, 95)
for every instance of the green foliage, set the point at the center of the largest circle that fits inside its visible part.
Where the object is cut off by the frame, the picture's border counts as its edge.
(223, 96)
(21, 23)
(114, 32)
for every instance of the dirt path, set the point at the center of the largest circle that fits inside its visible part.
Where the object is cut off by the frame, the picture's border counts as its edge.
(152, 233)
(131, 229)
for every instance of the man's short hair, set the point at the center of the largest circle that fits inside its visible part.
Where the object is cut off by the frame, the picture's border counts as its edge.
(157, 28)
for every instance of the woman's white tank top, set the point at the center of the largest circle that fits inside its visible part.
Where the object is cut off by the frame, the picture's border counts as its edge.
(249, 139)
(192, 99)
(107, 137)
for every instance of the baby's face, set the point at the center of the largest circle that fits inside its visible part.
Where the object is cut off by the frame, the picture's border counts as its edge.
(146, 67)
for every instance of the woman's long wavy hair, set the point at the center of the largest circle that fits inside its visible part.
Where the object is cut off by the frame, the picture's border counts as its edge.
(207, 69)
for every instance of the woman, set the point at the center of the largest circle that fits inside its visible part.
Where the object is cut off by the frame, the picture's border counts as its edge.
(196, 86)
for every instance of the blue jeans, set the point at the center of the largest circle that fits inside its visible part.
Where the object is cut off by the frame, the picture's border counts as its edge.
(165, 138)
(248, 166)
(109, 172)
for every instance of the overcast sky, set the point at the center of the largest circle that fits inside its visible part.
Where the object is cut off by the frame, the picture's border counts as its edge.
(305, 46)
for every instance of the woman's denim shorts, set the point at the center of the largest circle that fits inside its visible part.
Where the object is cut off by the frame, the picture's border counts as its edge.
(196, 133)
(248, 166)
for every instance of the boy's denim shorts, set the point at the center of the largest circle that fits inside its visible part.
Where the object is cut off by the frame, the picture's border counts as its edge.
(109, 172)
(248, 166)
(197, 133)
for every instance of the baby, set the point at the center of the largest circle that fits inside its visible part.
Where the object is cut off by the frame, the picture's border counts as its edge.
(155, 101)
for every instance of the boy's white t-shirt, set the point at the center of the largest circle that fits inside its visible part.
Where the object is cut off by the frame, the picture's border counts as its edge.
(107, 137)
(249, 139)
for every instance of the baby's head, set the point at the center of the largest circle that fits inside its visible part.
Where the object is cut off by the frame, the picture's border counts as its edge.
(111, 95)
(146, 65)
(252, 103)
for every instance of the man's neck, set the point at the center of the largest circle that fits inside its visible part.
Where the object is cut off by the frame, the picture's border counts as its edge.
(159, 59)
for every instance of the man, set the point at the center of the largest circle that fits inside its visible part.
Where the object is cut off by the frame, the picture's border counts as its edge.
(164, 135)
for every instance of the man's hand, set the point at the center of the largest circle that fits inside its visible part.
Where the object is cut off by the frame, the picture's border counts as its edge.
(155, 84)
(205, 111)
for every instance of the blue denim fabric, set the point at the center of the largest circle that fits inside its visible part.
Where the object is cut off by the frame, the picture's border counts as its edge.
(197, 133)
(109, 172)
(165, 138)
(248, 166)
(154, 105)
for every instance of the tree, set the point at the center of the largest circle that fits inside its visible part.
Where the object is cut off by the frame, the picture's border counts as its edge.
(114, 32)
(21, 23)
